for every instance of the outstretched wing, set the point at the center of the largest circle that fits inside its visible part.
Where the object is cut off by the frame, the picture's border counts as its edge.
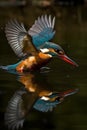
(18, 108)
(18, 39)
(42, 30)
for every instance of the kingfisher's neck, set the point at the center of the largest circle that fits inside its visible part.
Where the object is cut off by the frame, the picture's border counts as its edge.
(44, 56)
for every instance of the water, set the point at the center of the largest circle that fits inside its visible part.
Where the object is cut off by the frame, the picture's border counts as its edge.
(71, 34)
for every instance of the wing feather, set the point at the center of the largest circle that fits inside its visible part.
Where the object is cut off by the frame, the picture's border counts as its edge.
(42, 30)
(18, 39)
(18, 108)
(15, 33)
(15, 113)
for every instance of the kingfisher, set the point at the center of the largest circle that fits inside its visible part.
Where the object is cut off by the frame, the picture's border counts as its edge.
(35, 94)
(33, 47)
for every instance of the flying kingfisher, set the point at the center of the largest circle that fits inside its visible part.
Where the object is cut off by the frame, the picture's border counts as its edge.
(33, 46)
(35, 94)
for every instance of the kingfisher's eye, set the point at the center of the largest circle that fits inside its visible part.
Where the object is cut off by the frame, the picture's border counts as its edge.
(61, 52)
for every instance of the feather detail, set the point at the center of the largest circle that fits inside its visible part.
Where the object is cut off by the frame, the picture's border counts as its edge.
(15, 34)
(14, 116)
(42, 30)
(19, 39)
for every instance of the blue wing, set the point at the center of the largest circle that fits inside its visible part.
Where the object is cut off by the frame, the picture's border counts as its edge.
(42, 30)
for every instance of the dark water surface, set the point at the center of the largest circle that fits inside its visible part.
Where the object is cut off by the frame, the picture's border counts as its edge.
(71, 34)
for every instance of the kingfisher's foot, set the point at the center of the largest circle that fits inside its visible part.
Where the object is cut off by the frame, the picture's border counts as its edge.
(45, 70)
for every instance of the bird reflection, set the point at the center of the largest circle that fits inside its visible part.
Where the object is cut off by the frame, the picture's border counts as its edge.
(36, 94)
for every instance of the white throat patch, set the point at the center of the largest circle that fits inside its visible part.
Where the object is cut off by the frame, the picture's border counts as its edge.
(44, 98)
(44, 50)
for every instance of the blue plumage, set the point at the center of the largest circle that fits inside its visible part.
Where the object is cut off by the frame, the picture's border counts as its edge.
(11, 68)
(45, 106)
(53, 100)
(43, 37)
(51, 45)
(25, 43)
(42, 30)
(19, 107)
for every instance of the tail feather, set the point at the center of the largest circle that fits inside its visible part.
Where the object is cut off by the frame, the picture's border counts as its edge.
(4, 67)
(10, 68)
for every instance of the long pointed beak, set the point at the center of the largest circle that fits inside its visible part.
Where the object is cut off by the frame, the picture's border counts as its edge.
(69, 92)
(68, 60)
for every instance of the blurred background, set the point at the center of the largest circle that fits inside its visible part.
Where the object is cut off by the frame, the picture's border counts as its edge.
(71, 34)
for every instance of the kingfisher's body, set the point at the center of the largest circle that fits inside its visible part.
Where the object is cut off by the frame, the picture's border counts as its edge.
(33, 62)
(33, 44)
(35, 51)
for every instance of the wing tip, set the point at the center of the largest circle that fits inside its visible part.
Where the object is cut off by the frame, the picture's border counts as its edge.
(14, 117)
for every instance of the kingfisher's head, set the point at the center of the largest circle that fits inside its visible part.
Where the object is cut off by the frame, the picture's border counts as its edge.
(56, 50)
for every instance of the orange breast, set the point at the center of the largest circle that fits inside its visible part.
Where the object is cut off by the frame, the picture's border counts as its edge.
(26, 64)
(33, 62)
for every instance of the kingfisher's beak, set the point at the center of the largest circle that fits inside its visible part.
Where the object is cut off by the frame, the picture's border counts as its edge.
(68, 60)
